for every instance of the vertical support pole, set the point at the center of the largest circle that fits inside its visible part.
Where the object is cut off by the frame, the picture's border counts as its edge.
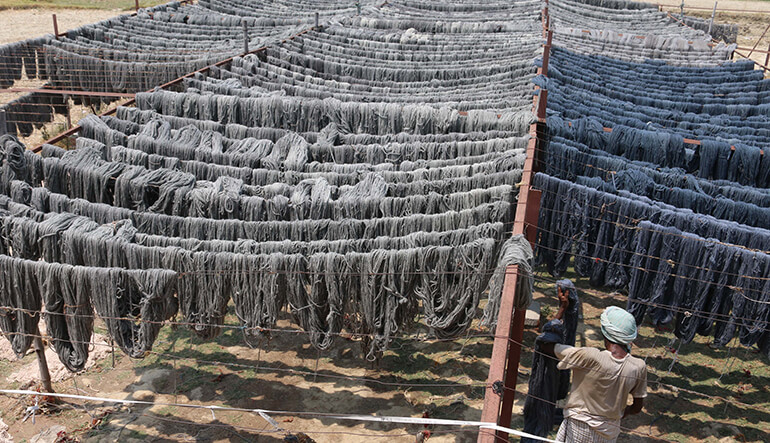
(136, 5)
(713, 14)
(3, 123)
(547, 53)
(767, 59)
(55, 27)
(358, 8)
(316, 20)
(245, 37)
(42, 364)
(69, 118)
(681, 12)
(503, 367)
(542, 103)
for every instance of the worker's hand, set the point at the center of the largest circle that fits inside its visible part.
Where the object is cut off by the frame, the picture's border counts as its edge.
(563, 299)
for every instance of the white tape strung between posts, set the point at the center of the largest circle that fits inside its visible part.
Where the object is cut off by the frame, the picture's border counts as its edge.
(265, 413)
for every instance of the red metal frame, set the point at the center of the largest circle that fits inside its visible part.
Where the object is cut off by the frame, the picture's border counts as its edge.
(506, 349)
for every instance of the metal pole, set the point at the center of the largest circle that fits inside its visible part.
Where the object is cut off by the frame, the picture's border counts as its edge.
(767, 59)
(506, 350)
(55, 27)
(358, 8)
(136, 5)
(711, 23)
(69, 118)
(504, 364)
(3, 124)
(681, 11)
(316, 20)
(45, 376)
(245, 37)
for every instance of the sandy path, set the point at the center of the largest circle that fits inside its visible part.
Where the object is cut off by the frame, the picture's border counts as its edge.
(722, 4)
(20, 24)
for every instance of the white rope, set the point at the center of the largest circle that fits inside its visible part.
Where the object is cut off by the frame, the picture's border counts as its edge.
(265, 413)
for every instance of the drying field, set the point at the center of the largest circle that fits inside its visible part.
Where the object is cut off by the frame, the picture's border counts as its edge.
(288, 374)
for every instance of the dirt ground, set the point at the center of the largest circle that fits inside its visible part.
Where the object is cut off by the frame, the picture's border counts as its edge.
(20, 24)
(751, 25)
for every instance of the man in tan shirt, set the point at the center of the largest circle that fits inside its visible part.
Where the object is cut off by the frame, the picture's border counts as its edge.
(601, 381)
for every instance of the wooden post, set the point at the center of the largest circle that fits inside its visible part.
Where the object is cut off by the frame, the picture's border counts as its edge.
(711, 23)
(3, 123)
(55, 27)
(42, 364)
(245, 37)
(136, 5)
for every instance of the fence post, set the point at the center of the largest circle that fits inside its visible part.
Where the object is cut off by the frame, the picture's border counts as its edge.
(55, 27)
(767, 59)
(136, 5)
(3, 124)
(316, 20)
(681, 11)
(711, 23)
(67, 104)
(245, 37)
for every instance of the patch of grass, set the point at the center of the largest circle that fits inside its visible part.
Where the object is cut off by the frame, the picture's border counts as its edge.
(119, 5)
(167, 411)
(133, 433)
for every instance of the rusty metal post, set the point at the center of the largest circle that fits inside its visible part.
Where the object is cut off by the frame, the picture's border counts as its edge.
(136, 5)
(711, 23)
(55, 27)
(767, 60)
(547, 53)
(42, 364)
(503, 368)
(245, 37)
(542, 99)
(506, 350)
(69, 111)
